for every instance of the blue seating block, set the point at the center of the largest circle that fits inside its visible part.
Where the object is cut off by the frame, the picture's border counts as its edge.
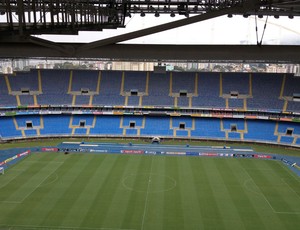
(208, 127)
(234, 135)
(109, 125)
(56, 125)
(157, 126)
(131, 131)
(286, 139)
(135, 80)
(137, 119)
(85, 79)
(261, 131)
(7, 128)
(235, 82)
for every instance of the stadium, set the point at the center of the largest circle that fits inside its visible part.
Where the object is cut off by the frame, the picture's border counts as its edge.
(146, 148)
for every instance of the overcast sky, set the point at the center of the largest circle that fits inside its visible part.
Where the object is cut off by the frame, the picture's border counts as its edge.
(221, 30)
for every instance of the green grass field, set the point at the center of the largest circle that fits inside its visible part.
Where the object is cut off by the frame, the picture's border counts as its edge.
(116, 192)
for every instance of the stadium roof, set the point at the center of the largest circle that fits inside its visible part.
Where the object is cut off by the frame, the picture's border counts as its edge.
(20, 20)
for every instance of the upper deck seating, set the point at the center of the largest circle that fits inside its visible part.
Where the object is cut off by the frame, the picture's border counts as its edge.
(110, 89)
(158, 90)
(55, 85)
(266, 91)
(209, 91)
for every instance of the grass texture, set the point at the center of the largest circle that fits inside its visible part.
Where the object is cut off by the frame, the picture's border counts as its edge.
(140, 192)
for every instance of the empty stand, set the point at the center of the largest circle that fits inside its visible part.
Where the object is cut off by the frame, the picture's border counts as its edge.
(27, 81)
(287, 132)
(182, 126)
(209, 91)
(280, 92)
(132, 125)
(183, 86)
(8, 128)
(110, 89)
(56, 125)
(149, 126)
(55, 85)
(208, 128)
(266, 90)
(5, 92)
(25, 86)
(234, 128)
(83, 86)
(158, 90)
(290, 93)
(134, 86)
(235, 88)
(157, 126)
(107, 125)
(82, 124)
(29, 125)
(260, 130)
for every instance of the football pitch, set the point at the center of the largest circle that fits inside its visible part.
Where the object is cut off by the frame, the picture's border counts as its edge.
(143, 192)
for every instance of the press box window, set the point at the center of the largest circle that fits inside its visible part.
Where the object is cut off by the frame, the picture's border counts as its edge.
(181, 125)
(233, 128)
(29, 125)
(132, 124)
(289, 132)
(81, 124)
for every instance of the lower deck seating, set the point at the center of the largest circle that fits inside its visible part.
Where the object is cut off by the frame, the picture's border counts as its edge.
(113, 125)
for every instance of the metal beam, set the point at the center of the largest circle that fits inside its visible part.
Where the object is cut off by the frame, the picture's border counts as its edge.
(52, 45)
(188, 53)
(159, 28)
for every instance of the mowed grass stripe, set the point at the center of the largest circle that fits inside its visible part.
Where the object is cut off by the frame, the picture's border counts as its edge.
(34, 173)
(227, 212)
(248, 211)
(121, 203)
(288, 177)
(65, 204)
(22, 211)
(80, 206)
(44, 200)
(73, 182)
(208, 208)
(173, 212)
(160, 187)
(110, 190)
(279, 195)
(262, 208)
(133, 182)
(189, 193)
(104, 198)
(256, 174)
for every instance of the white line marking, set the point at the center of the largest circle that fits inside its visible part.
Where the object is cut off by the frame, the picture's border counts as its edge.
(153, 175)
(27, 195)
(290, 187)
(61, 227)
(265, 198)
(263, 195)
(147, 195)
(51, 182)
(288, 170)
(40, 183)
(12, 178)
(10, 202)
(289, 213)
(56, 162)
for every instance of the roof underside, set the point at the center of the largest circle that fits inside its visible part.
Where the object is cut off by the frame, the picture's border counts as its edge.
(22, 19)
